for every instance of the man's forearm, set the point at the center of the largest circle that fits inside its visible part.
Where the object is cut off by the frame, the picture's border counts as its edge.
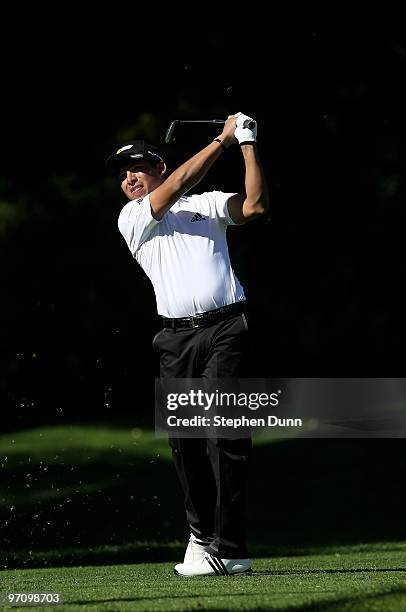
(257, 197)
(183, 178)
(194, 169)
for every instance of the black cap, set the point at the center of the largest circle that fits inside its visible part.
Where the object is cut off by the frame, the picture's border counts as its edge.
(132, 150)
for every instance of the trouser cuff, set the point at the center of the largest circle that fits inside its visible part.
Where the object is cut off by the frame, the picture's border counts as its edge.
(228, 554)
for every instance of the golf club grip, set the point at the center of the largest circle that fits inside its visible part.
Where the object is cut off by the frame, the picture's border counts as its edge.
(249, 123)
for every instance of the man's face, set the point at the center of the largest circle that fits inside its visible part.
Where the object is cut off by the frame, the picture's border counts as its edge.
(140, 178)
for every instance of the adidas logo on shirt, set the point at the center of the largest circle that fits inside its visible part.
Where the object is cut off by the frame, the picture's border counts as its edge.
(197, 217)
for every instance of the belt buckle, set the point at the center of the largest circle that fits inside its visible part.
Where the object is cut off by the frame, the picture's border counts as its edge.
(194, 325)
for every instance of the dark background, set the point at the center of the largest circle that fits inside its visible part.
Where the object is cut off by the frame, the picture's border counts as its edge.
(324, 276)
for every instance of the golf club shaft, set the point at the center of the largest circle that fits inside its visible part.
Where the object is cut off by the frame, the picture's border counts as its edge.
(200, 120)
(248, 123)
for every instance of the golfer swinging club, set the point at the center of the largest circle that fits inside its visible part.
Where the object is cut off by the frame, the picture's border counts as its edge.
(180, 242)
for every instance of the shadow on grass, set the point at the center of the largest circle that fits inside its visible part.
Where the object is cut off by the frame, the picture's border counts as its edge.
(111, 504)
(358, 570)
(390, 598)
(327, 492)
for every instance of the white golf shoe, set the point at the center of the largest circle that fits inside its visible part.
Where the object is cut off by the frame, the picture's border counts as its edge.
(195, 550)
(214, 566)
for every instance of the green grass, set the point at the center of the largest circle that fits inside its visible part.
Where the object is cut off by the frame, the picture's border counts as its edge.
(350, 580)
(96, 494)
(88, 510)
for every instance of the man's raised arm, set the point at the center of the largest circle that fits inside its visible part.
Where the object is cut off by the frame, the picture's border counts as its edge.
(255, 202)
(191, 172)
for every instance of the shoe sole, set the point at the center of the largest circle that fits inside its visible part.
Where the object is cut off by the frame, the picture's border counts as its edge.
(247, 572)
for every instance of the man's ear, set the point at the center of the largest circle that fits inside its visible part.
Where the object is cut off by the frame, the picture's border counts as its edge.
(162, 168)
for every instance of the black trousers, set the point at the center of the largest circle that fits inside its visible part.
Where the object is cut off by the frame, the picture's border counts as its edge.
(213, 472)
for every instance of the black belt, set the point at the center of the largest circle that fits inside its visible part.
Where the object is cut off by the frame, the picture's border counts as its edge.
(205, 318)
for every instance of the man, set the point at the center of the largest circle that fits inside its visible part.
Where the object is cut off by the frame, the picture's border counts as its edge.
(180, 242)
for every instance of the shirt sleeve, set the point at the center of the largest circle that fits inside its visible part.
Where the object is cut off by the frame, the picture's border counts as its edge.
(218, 204)
(136, 223)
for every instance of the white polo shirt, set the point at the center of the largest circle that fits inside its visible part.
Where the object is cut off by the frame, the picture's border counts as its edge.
(184, 254)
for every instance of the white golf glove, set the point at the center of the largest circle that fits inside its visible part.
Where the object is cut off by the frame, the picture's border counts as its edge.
(242, 132)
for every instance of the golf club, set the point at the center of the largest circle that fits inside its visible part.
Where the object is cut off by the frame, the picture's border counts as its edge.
(169, 132)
